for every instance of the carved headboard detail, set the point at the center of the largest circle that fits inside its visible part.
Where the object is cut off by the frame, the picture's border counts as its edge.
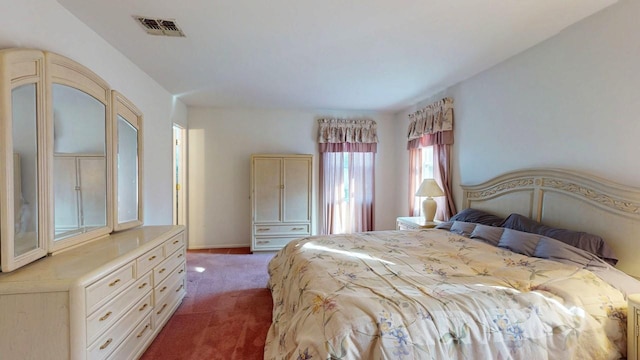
(570, 200)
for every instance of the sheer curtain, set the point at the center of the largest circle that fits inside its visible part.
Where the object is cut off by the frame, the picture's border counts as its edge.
(347, 174)
(433, 125)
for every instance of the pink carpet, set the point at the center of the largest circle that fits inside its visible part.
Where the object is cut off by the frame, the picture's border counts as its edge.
(227, 310)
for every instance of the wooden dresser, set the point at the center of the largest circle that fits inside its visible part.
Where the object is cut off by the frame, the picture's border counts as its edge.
(107, 299)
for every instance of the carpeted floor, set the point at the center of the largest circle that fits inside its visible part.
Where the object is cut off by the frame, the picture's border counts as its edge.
(226, 312)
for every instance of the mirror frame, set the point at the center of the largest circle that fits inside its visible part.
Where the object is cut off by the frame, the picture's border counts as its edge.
(21, 67)
(128, 111)
(64, 71)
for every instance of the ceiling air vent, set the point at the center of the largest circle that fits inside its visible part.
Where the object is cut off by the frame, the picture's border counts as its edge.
(165, 27)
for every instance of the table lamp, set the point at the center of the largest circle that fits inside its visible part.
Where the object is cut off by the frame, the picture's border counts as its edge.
(430, 189)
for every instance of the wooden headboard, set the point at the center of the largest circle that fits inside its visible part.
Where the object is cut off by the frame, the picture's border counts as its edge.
(569, 200)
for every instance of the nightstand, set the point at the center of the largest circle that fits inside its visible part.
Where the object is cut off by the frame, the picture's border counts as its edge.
(633, 315)
(414, 223)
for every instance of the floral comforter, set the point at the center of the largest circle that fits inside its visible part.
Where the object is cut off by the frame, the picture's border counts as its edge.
(432, 294)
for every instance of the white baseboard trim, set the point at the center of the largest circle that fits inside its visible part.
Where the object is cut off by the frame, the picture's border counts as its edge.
(217, 246)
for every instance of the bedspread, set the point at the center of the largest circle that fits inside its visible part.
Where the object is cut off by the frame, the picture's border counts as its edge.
(432, 294)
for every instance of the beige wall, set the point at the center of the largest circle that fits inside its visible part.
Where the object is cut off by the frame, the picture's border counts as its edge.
(46, 25)
(221, 142)
(570, 102)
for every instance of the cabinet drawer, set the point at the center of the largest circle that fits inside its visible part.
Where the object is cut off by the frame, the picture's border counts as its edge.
(272, 243)
(173, 244)
(105, 289)
(173, 283)
(110, 340)
(163, 270)
(113, 310)
(166, 307)
(294, 229)
(133, 344)
(150, 259)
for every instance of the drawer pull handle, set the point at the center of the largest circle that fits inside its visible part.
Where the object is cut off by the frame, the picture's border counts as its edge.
(104, 346)
(161, 309)
(297, 228)
(264, 229)
(114, 282)
(162, 270)
(176, 241)
(180, 287)
(105, 317)
(263, 241)
(180, 255)
(142, 285)
(143, 330)
(181, 271)
(163, 289)
(143, 307)
(151, 258)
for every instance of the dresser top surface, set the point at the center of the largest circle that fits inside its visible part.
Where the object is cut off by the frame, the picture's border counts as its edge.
(60, 271)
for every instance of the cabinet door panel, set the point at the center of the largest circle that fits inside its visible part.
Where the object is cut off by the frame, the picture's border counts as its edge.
(267, 189)
(297, 190)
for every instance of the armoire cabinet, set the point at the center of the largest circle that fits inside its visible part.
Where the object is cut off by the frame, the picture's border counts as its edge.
(281, 199)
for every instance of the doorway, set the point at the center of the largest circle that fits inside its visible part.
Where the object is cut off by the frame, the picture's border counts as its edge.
(179, 168)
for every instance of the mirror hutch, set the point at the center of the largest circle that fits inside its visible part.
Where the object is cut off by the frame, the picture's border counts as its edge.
(81, 277)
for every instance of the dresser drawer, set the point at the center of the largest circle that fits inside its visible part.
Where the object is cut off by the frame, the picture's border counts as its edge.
(173, 283)
(110, 340)
(131, 346)
(168, 304)
(295, 229)
(272, 242)
(173, 244)
(109, 313)
(150, 259)
(163, 270)
(106, 288)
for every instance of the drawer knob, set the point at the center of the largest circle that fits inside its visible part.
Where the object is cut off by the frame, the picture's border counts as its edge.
(151, 258)
(104, 346)
(162, 270)
(163, 289)
(180, 287)
(105, 317)
(161, 309)
(143, 330)
(143, 307)
(142, 285)
(114, 282)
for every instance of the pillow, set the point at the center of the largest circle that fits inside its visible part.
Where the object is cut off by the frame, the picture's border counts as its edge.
(445, 225)
(462, 228)
(478, 217)
(553, 249)
(488, 234)
(518, 241)
(582, 240)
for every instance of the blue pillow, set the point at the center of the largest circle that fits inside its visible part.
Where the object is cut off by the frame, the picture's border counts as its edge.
(518, 241)
(488, 234)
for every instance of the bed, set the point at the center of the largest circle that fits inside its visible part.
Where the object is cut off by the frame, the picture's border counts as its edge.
(470, 288)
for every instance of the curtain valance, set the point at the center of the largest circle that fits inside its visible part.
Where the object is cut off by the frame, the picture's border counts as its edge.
(431, 125)
(347, 135)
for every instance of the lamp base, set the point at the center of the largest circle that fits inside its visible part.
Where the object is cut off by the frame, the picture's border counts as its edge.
(429, 207)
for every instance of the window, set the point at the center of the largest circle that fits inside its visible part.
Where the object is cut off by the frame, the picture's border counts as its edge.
(347, 180)
(421, 167)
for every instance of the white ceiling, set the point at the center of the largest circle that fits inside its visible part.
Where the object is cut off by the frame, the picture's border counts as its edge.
(378, 55)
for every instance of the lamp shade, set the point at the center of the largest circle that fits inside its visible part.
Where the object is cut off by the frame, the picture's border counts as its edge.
(429, 188)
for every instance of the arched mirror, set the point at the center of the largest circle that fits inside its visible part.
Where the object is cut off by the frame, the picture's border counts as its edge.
(23, 153)
(80, 125)
(127, 163)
